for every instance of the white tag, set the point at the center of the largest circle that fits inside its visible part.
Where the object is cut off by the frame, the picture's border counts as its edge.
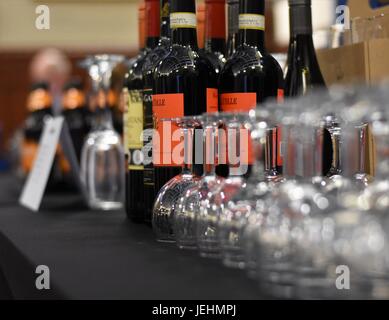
(183, 20)
(251, 21)
(36, 182)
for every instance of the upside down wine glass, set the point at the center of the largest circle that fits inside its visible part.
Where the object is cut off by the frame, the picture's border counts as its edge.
(191, 201)
(240, 212)
(166, 203)
(102, 160)
(211, 209)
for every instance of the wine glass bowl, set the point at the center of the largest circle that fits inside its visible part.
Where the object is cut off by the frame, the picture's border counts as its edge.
(167, 203)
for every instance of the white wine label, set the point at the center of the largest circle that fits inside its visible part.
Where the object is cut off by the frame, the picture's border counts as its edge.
(133, 127)
(183, 20)
(251, 21)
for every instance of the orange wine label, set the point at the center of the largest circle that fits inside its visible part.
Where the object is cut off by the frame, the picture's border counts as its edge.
(212, 100)
(73, 99)
(28, 153)
(279, 147)
(238, 102)
(167, 134)
(64, 164)
(280, 95)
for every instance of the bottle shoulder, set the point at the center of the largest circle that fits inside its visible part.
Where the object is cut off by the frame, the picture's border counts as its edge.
(244, 58)
(183, 59)
(216, 59)
(155, 56)
(134, 73)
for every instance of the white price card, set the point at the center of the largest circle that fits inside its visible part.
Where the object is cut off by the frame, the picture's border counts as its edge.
(35, 185)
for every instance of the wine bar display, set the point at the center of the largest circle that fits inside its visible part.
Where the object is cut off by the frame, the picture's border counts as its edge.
(216, 149)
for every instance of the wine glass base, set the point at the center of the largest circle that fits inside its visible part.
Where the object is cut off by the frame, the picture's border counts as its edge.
(210, 255)
(166, 240)
(235, 264)
(187, 244)
(105, 205)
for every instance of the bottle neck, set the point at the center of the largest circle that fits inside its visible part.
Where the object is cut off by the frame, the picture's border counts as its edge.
(300, 17)
(233, 26)
(215, 32)
(165, 19)
(152, 12)
(183, 23)
(252, 23)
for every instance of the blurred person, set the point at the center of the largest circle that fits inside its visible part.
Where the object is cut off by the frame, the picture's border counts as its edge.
(51, 65)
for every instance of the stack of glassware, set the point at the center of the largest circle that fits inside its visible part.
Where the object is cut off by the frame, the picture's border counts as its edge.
(299, 234)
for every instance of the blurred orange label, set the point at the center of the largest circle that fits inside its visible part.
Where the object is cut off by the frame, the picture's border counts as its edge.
(280, 95)
(28, 154)
(279, 147)
(166, 106)
(212, 100)
(238, 102)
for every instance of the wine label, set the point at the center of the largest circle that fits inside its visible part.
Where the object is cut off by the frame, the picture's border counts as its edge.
(251, 21)
(133, 127)
(212, 100)
(280, 154)
(148, 169)
(167, 134)
(183, 20)
(238, 102)
(280, 95)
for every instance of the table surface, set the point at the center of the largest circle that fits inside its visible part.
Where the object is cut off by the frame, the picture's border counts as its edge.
(101, 255)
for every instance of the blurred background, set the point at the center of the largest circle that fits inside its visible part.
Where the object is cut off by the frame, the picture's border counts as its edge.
(81, 27)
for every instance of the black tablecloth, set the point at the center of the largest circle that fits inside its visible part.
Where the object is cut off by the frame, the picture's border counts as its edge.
(100, 255)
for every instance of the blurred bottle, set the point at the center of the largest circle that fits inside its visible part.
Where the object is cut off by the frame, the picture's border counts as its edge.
(215, 33)
(233, 26)
(76, 113)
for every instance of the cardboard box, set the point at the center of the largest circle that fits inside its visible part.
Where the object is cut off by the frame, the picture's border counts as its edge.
(361, 63)
(365, 62)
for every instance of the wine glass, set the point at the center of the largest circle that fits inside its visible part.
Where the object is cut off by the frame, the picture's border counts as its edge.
(211, 209)
(166, 203)
(102, 169)
(184, 223)
(240, 213)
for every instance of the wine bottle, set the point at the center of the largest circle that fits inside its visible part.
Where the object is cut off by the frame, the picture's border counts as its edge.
(303, 73)
(185, 84)
(134, 117)
(151, 62)
(75, 113)
(233, 26)
(215, 33)
(251, 75)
